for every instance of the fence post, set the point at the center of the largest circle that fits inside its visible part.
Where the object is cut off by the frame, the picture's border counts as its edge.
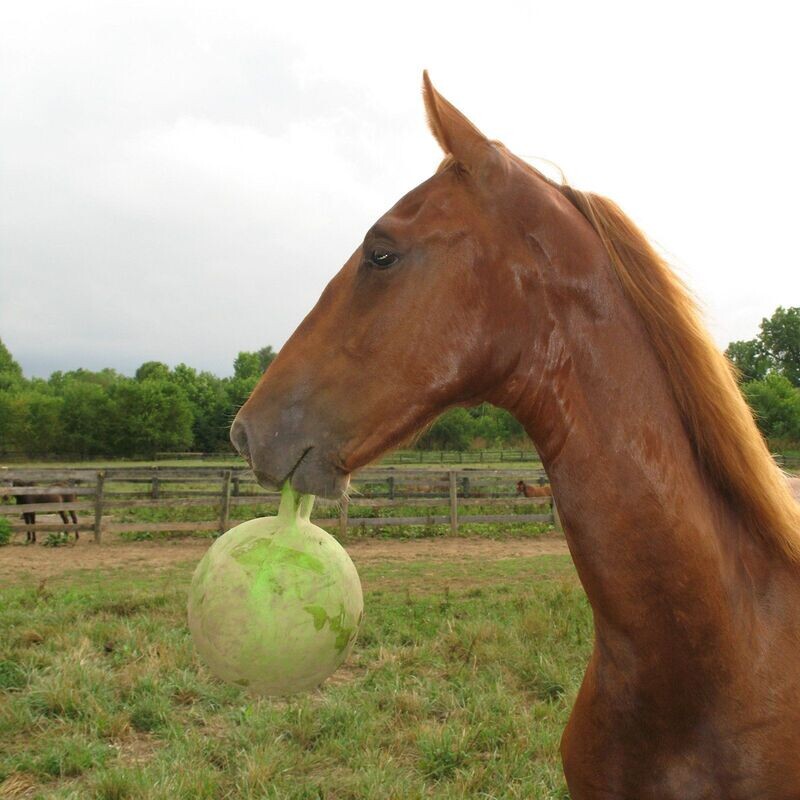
(343, 517)
(453, 503)
(556, 517)
(225, 501)
(155, 488)
(465, 486)
(390, 482)
(236, 485)
(98, 505)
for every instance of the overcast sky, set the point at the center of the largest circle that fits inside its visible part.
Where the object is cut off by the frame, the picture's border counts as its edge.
(178, 181)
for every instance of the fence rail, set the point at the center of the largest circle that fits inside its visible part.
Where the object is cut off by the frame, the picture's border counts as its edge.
(116, 489)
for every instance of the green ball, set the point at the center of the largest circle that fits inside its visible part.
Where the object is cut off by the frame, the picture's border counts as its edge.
(275, 604)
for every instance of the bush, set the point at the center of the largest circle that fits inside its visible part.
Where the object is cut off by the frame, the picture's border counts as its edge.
(776, 404)
(5, 531)
(56, 539)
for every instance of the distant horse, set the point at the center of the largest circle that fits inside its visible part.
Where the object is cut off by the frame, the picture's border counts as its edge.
(529, 490)
(490, 282)
(30, 516)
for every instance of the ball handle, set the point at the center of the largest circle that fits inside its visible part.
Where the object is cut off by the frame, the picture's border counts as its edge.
(294, 505)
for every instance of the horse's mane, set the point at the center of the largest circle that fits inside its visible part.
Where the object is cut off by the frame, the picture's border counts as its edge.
(717, 418)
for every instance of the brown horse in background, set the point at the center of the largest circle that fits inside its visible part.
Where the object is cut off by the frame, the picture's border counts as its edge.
(489, 282)
(529, 490)
(30, 516)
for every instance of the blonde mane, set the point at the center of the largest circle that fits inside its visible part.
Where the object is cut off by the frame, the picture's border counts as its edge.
(717, 418)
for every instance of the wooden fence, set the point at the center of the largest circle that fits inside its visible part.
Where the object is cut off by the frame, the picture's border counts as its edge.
(101, 493)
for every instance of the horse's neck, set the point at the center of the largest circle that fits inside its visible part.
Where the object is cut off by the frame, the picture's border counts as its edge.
(650, 538)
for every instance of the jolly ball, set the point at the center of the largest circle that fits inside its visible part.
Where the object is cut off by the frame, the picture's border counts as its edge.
(276, 603)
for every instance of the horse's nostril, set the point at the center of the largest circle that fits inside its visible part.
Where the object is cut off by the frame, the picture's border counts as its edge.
(239, 439)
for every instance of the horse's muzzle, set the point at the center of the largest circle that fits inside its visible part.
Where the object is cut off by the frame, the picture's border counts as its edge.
(283, 452)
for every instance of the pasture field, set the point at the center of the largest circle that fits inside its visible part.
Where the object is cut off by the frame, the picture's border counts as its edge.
(459, 687)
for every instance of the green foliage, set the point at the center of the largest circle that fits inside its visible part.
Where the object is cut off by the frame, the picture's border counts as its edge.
(776, 404)
(56, 539)
(12, 675)
(780, 337)
(149, 416)
(87, 413)
(460, 428)
(749, 359)
(776, 349)
(84, 414)
(253, 365)
(5, 531)
(212, 407)
(451, 431)
(769, 366)
(7, 363)
(152, 370)
(10, 376)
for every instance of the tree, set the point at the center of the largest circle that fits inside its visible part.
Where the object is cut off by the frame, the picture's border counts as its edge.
(13, 414)
(7, 363)
(87, 419)
(775, 349)
(10, 370)
(749, 359)
(30, 421)
(453, 430)
(776, 404)
(211, 408)
(152, 370)
(249, 365)
(780, 341)
(149, 416)
(495, 426)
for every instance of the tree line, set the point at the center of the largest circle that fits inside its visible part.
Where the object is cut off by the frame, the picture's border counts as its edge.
(769, 371)
(83, 414)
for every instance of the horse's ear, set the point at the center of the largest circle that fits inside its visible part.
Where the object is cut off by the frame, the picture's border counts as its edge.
(456, 135)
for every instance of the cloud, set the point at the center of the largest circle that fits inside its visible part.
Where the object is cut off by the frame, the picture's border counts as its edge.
(178, 181)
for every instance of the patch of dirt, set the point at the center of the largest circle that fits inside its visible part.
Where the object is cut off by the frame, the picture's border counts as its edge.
(453, 549)
(136, 748)
(21, 561)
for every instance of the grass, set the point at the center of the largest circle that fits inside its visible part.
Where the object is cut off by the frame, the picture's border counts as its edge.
(178, 513)
(459, 687)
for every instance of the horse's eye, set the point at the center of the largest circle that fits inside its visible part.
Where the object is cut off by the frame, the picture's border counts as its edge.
(382, 258)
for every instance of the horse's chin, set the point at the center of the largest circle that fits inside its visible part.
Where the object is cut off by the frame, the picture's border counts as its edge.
(312, 474)
(315, 475)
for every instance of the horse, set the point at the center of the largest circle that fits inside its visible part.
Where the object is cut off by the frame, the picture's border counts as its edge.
(490, 282)
(529, 490)
(30, 516)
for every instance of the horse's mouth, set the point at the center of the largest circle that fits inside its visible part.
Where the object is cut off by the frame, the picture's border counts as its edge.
(311, 474)
(270, 482)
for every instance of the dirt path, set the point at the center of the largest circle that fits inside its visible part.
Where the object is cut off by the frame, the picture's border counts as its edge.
(34, 561)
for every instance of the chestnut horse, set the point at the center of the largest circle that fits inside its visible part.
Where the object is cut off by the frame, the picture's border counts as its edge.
(529, 490)
(489, 282)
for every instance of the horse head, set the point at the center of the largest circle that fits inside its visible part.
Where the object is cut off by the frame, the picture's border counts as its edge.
(432, 310)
